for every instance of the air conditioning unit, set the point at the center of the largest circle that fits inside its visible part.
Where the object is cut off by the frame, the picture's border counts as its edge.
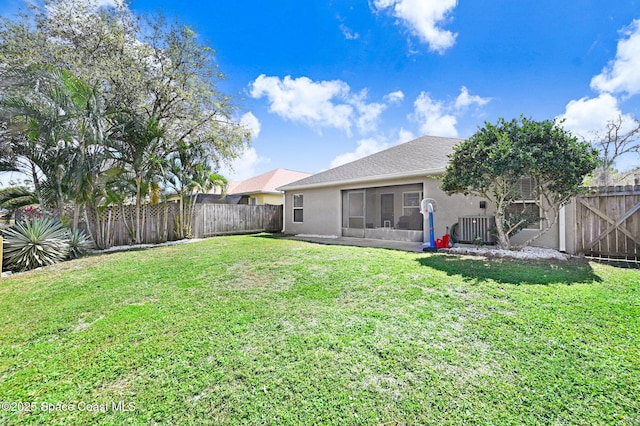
(473, 227)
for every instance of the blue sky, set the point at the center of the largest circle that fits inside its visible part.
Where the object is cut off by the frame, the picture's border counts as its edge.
(325, 82)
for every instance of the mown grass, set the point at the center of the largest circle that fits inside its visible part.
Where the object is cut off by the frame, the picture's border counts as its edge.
(259, 330)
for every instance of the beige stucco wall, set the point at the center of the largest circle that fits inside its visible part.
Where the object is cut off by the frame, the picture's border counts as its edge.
(323, 207)
(323, 211)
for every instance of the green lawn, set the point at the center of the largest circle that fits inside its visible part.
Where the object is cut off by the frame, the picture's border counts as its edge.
(261, 330)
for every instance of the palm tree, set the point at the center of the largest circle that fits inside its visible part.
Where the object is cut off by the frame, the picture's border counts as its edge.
(55, 117)
(16, 197)
(137, 146)
(189, 173)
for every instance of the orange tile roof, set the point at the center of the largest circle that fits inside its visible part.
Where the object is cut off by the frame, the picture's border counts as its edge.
(267, 182)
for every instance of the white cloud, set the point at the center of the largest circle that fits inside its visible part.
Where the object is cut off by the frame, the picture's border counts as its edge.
(585, 116)
(76, 10)
(405, 136)
(439, 118)
(464, 99)
(110, 3)
(368, 114)
(394, 97)
(250, 122)
(243, 167)
(348, 34)
(621, 74)
(371, 146)
(433, 117)
(304, 100)
(423, 18)
(319, 104)
(365, 147)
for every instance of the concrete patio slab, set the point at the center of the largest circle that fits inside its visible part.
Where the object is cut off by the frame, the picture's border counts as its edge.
(362, 242)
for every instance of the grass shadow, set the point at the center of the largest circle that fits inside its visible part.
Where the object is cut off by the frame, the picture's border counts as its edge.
(269, 235)
(511, 271)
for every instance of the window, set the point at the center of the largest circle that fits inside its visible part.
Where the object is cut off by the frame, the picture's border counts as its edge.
(253, 201)
(411, 203)
(298, 207)
(526, 207)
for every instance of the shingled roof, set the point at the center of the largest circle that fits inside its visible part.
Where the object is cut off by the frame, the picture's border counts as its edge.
(427, 155)
(267, 182)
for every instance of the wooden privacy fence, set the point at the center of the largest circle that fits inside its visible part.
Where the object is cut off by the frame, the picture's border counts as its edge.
(116, 225)
(608, 223)
(220, 219)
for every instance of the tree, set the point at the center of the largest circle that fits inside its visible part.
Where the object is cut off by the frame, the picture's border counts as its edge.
(156, 69)
(155, 87)
(138, 145)
(621, 136)
(16, 197)
(38, 105)
(491, 163)
(189, 175)
(57, 133)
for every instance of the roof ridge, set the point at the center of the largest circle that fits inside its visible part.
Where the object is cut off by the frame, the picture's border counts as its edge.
(426, 153)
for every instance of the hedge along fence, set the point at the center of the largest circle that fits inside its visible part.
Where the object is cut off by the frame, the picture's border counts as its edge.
(116, 224)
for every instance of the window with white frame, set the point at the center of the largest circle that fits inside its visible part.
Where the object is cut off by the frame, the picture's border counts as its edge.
(253, 201)
(411, 203)
(526, 207)
(298, 207)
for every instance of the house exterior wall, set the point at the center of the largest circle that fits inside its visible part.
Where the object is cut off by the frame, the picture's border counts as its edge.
(323, 206)
(323, 212)
(275, 199)
(263, 199)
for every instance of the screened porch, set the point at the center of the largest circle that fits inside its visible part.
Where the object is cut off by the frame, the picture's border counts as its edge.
(384, 213)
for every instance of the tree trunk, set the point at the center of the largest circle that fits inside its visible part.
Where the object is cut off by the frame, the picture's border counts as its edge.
(36, 185)
(76, 215)
(503, 239)
(138, 202)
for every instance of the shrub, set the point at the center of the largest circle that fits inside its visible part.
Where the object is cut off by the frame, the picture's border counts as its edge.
(35, 243)
(79, 243)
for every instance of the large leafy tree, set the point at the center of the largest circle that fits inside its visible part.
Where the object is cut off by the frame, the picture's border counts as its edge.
(491, 163)
(156, 80)
(157, 68)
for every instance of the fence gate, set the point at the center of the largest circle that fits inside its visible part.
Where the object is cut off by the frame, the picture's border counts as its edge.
(608, 223)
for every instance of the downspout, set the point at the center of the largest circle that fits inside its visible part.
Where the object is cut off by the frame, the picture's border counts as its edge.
(562, 234)
(284, 213)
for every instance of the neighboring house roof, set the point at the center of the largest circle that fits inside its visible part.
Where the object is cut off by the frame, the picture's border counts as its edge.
(267, 183)
(427, 155)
